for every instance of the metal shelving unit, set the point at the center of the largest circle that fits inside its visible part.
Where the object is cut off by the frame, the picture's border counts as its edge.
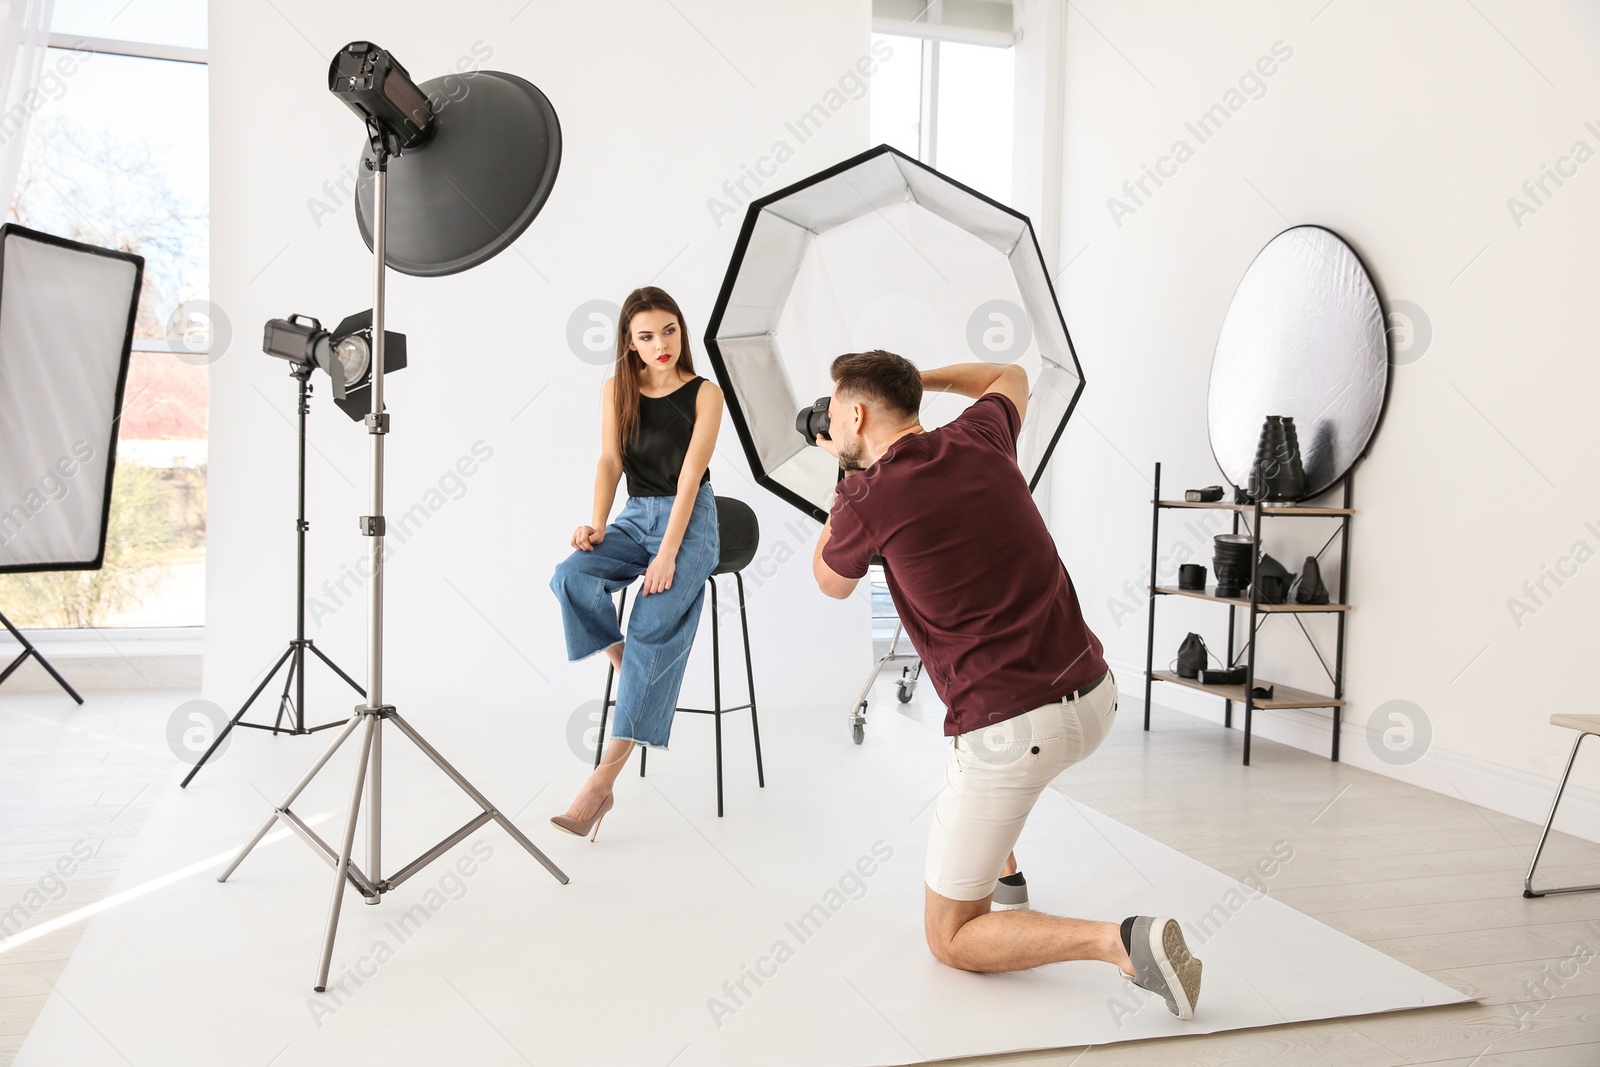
(1283, 696)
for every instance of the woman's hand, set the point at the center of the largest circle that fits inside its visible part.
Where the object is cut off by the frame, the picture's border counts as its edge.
(586, 537)
(658, 576)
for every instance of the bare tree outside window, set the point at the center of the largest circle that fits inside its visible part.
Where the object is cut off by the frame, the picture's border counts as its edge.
(111, 184)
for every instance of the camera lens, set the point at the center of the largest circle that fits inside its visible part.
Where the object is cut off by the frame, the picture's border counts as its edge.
(813, 421)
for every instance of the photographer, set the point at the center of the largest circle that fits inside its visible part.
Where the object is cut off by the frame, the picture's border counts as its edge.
(988, 605)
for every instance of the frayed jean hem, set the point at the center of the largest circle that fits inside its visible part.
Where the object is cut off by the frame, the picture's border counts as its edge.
(635, 740)
(596, 652)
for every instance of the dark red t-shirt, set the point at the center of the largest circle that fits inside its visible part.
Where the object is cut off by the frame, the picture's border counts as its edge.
(974, 573)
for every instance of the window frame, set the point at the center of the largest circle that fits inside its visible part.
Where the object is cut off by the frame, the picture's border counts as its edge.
(137, 634)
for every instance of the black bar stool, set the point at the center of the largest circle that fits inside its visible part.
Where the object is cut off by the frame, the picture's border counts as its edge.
(740, 535)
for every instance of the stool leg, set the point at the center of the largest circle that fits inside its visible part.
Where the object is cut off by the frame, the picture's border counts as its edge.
(750, 679)
(643, 752)
(605, 707)
(716, 686)
(1527, 884)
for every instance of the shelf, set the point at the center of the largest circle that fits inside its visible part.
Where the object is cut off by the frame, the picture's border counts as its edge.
(1244, 601)
(1283, 696)
(1266, 509)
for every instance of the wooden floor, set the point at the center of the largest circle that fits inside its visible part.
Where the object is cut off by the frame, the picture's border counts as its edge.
(1429, 879)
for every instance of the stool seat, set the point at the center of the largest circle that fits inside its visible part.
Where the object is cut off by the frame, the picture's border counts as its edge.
(1587, 724)
(739, 533)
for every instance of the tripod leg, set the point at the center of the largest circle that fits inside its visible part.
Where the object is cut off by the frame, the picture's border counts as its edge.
(335, 668)
(339, 739)
(19, 661)
(342, 871)
(223, 733)
(29, 650)
(296, 660)
(482, 801)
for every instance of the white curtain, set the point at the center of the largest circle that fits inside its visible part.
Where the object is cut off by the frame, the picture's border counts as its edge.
(24, 36)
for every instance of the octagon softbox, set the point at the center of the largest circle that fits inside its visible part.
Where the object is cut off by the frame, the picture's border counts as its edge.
(881, 251)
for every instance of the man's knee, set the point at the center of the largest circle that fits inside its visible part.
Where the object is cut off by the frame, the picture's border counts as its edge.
(939, 945)
(943, 918)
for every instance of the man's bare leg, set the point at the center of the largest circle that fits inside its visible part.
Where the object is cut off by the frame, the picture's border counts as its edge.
(1011, 866)
(967, 935)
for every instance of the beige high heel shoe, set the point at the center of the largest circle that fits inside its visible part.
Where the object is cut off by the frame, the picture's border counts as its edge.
(588, 828)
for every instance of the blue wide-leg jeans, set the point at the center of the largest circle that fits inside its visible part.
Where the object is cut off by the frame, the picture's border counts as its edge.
(661, 627)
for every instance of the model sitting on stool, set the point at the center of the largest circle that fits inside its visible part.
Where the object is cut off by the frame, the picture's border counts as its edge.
(659, 425)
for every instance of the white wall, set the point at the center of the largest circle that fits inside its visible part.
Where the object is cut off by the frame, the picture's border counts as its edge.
(1405, 128)
(660, 105)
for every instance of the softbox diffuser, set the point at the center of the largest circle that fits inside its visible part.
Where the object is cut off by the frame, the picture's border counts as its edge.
(881, 251)
(66, 329)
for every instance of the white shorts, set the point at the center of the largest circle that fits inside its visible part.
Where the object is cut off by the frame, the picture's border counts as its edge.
(992, 778)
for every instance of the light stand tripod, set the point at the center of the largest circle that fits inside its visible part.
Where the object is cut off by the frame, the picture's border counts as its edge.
(28, 649)
(371, 884)
(295, 654)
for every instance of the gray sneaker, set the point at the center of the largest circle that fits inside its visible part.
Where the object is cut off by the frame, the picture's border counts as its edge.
(1161, 961)
(1010, 894)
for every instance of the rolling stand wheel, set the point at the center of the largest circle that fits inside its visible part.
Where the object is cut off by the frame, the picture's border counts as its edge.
(907, 684)
(858, 724)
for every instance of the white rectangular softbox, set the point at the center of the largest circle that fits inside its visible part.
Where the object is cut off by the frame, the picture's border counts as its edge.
(66, 330)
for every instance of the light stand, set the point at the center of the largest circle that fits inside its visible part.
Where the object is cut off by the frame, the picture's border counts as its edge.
(295, 654)
(371, 884)
(28, 649)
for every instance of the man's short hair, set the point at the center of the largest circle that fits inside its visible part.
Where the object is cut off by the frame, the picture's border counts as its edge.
(892, 382)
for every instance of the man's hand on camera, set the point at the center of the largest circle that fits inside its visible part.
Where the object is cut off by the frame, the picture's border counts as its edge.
(828, 446)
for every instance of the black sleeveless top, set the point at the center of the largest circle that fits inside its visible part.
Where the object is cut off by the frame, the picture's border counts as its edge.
(653, 460)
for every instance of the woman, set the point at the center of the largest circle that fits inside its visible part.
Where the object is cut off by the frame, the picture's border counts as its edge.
(659, 426)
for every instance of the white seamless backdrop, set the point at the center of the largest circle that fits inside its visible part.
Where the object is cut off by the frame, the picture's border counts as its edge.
(495, 435)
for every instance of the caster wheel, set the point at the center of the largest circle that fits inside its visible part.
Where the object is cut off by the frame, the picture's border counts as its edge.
(904, 692)
(858, 732)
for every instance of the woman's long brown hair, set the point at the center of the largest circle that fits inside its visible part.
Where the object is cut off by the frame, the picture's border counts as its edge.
(630, 367)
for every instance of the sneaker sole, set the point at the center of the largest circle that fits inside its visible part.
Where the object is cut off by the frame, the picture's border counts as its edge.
(1180, 972)
(1022, 906)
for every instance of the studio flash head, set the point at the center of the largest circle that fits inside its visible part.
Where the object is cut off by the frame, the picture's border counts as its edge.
(374, 85)
(343, 353)
(813, 421)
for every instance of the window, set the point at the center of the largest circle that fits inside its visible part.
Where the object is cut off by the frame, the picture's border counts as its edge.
(950, 106)
(104, 166)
